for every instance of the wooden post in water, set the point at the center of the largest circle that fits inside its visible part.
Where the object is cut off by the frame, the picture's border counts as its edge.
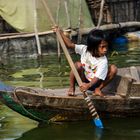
(36, 31)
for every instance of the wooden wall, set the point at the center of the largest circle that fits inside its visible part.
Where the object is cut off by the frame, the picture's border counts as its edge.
(119, 10)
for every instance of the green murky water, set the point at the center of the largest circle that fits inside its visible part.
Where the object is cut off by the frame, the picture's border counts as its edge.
(49, 73)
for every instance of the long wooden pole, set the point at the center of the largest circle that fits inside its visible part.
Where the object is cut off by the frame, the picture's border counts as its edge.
(101, 14)
(67, 14)
(83, 31)
(92, 109)
(57, 21)
(35, 29)
(79, 36)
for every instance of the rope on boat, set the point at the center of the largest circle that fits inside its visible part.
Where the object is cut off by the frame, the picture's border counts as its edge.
(26, 90)
(29, 90)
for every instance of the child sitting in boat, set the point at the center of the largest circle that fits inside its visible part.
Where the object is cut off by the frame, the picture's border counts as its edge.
(93, 67)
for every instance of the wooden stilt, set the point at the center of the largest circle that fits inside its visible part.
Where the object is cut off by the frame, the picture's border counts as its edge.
(36, 31)
(101, 14)
(67, 14)
(79, 38)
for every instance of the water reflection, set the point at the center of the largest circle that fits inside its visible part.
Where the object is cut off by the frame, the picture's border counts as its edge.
(123, 129)
(12, 125)
(129, 57)
(49, 73)
(73, 131)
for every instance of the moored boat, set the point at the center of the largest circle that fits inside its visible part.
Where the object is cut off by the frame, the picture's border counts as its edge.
(122, 98)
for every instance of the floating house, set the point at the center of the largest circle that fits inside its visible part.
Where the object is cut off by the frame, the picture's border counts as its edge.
(25, 26)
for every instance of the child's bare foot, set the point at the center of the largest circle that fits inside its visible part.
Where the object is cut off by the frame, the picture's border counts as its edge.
(71, 92)
(97, 92)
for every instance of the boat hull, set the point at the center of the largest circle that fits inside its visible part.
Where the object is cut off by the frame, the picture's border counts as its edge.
(122, 99)
(44, 108)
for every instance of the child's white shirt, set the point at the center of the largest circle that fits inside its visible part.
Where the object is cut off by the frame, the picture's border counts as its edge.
(94, 67)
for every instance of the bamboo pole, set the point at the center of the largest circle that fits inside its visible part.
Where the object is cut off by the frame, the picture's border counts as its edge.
(35, 29)
(79, 38)
(11, 34)
(114, 26)
(74, 33)
(57, 21)
(24, 35)
(101, 14)
(67, 14)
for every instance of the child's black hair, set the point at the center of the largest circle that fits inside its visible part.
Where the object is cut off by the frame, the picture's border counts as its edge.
(94, 38)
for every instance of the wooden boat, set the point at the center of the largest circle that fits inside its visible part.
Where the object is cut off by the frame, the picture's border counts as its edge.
(122, 98)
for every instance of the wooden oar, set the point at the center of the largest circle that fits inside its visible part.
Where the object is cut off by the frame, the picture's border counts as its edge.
(92, 109)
